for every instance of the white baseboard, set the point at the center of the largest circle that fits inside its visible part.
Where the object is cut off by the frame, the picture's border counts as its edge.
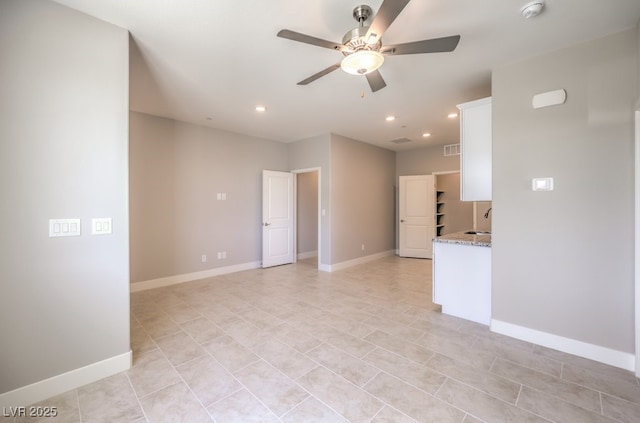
(324, 267)
(308, 254)
(188, 277)
(355, 262)
(64, 382)
(604, 355)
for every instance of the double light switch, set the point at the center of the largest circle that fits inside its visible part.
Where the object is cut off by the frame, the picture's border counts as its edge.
(101, 226)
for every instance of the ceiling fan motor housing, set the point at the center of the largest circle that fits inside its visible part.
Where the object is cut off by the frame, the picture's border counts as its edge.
(354, 40)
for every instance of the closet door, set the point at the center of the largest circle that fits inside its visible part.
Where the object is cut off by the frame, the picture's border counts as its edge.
(416, 214)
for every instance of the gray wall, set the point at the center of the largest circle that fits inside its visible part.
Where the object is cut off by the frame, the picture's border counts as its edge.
(563, 260)
(63, 154)
(425, 161)
(307, 212)
(362, 193)
(177, 169)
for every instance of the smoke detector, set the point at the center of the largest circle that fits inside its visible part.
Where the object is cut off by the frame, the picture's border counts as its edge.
(532, 9)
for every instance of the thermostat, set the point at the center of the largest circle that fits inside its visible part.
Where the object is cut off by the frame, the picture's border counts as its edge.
(542, 184)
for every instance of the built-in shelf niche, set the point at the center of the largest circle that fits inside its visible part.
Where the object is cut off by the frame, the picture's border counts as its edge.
(440, 210)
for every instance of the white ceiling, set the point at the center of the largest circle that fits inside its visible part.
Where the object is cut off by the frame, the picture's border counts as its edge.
(210, 62)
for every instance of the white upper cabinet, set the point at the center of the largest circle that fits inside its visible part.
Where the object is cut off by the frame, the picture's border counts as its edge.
(475, 155)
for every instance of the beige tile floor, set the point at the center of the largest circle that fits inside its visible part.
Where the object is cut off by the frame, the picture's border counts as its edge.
(291, 344)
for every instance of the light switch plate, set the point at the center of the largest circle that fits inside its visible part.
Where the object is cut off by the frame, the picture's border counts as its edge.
(542, 184)
(101, 226)
(64, 227)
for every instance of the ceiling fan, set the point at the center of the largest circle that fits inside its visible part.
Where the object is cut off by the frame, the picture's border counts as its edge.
(362, 46)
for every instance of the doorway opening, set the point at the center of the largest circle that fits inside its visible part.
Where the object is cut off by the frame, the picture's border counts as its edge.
(307, 216)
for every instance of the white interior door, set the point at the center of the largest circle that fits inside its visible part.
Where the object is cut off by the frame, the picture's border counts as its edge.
(277, 218)
(416, 214)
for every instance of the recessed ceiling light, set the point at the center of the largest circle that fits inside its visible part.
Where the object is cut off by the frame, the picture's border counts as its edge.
(452, 115)
(426, 134)
(532, 9)
(261, 108)
(390, 118)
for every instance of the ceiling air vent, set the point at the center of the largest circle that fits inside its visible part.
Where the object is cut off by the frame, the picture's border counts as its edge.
(400, 140)
(452, 150)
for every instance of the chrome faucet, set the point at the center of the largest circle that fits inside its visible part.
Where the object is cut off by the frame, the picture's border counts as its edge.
(486, 215)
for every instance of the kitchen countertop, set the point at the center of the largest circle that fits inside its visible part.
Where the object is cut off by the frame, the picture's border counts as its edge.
(465, 239)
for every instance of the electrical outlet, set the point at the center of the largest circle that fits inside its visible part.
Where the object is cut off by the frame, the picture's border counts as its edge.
(362, 247)
(204, 258)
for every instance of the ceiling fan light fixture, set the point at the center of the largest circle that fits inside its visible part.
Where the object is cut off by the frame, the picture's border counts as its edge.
(362, 62)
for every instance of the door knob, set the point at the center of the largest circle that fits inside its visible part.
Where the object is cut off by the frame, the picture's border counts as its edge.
(401, 220)
(267, 224)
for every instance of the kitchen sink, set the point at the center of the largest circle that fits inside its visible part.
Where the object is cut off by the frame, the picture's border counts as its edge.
(477, 233)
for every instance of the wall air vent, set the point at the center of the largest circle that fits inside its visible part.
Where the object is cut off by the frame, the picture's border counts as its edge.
(452, 150)
(400, 140)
